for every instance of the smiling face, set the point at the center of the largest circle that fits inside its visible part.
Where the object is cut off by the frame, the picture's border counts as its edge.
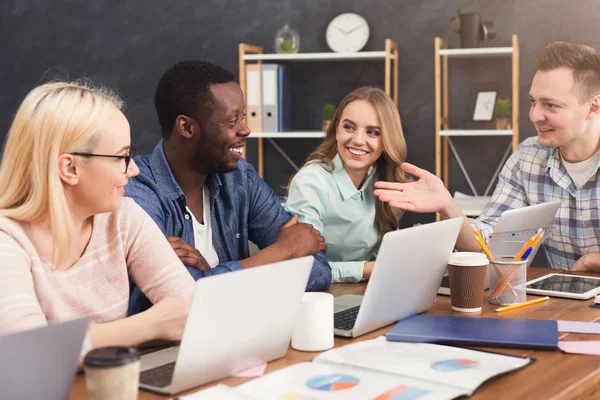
(358, 136)
(223, 136)
(102, 180)
(559, 115)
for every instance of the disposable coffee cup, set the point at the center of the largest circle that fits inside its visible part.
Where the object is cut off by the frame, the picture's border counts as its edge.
(112, 373)
(313, 330)
(467, 273)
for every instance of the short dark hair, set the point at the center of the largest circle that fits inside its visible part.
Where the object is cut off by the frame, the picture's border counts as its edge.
(583, 60)
(185, 90)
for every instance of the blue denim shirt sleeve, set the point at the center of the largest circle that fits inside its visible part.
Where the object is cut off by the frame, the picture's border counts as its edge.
(152, 204)
(267, 216)
(243, 208)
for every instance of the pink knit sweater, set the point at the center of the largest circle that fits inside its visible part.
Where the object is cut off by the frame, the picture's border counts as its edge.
(124, 242)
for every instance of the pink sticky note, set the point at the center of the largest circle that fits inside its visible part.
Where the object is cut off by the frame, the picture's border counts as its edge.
(591, 347)
(578, 327)
(259, 370)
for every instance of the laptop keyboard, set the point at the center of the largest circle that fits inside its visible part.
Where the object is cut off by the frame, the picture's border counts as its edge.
(445, 282)
(159, 376)
(345, 320)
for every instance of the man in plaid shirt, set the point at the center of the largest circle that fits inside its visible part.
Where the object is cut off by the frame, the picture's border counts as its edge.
(561, 163)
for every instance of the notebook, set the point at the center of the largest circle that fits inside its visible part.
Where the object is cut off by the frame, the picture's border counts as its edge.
(493, 332)
(378, 369)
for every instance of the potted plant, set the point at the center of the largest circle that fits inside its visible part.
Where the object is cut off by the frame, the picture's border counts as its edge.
(502, 114)
(328, 111)
(287, 40)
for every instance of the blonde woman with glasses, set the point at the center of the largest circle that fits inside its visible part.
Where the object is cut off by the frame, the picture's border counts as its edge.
(333, 191)
(69, 241)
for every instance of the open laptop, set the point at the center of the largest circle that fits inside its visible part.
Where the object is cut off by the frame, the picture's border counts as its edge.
(237, 320)
(41, 363)
(407, 274)
(513, 229)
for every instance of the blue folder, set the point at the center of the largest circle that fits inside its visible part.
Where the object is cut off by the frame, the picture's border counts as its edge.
(469, 331)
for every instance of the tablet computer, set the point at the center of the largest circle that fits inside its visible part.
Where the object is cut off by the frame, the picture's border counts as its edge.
(564, 285)
(515, 227)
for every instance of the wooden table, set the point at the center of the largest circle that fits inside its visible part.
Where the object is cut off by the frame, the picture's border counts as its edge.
(555, 375)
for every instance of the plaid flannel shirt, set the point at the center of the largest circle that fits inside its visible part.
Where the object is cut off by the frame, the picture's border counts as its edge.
(533, 175)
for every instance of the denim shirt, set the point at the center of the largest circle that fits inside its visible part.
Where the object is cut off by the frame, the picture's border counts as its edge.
(242, 207)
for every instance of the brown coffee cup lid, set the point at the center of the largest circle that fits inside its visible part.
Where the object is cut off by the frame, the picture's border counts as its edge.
(108, 357)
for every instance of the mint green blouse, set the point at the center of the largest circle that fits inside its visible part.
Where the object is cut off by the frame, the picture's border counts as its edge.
(343, 214)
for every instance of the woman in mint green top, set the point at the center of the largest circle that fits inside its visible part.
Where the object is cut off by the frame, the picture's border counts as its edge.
(333, 191)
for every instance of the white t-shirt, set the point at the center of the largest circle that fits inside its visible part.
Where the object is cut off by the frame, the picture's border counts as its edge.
(582, 171)
(203, 232)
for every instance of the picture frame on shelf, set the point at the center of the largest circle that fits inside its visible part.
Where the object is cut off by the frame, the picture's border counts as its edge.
(484, 106)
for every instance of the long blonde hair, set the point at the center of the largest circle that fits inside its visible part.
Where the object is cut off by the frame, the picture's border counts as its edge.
(387, 167)
(54, 118)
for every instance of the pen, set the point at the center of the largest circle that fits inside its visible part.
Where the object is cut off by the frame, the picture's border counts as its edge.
(525, 303)
(529, 243)
(487, 252)
(526, 254)
(522, 256)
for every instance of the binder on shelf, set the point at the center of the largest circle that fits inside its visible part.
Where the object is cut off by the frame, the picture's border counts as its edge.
(254, 97)
(276, 99)
(270, 93)
(284, 103)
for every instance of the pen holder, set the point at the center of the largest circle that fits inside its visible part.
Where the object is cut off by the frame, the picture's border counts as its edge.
(507, 282)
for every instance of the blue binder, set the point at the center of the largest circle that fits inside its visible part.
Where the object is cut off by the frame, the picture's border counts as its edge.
(469, 331)
(284, 100)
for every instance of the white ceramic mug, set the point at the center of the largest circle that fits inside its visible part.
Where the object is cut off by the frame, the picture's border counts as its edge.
(314, 324)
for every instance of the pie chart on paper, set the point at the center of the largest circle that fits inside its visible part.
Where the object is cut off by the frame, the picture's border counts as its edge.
(454, 365)
(332, 383)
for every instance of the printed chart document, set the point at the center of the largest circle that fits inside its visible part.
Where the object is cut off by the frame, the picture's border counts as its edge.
(381, 370)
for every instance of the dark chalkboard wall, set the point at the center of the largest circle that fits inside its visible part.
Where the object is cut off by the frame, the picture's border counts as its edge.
(128, 44)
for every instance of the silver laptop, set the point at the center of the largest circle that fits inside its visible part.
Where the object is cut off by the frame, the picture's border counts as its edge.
(41, 363)
(237, 320)
(407, 274)
(513, 229)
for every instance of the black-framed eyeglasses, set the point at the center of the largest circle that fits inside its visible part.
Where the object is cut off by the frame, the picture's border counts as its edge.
(127, 157)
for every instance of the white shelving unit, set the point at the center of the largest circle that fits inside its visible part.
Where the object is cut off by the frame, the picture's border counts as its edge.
(476, 132)
(477, 52)
(250, 53)
(288, 135)
(473, 204)
(365, 55)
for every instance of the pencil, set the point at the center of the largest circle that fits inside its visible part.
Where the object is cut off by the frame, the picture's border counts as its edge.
(529, 244)
(481, 243)
(523, 304)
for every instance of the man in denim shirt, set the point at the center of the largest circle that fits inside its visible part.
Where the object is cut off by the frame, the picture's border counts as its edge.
(206, 199)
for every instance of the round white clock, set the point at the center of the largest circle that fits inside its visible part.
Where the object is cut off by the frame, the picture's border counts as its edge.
(347, 33)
